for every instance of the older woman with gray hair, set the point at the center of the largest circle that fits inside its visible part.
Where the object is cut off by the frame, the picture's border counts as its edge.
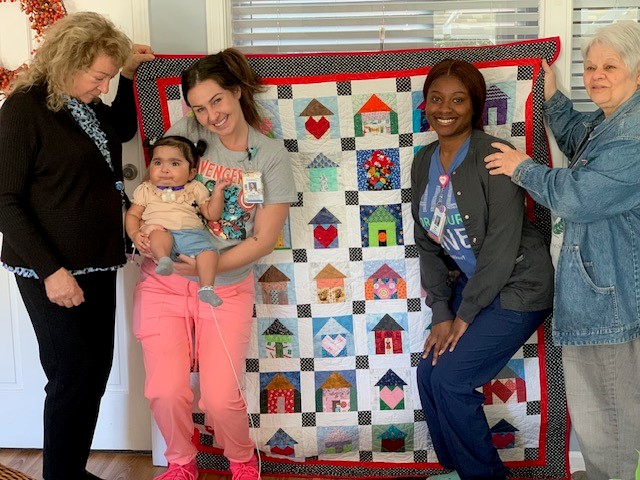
(597, 201)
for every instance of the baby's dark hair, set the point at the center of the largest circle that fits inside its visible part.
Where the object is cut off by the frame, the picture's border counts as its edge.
(190, 151)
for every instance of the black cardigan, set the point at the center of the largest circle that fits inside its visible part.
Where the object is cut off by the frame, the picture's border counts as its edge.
(512, 258)
(58, 203)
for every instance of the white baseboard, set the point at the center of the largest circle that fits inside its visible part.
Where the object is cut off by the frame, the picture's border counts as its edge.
(576, 462)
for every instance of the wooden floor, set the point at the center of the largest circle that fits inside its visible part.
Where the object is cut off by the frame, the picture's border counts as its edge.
(120, 466)
(107, 465)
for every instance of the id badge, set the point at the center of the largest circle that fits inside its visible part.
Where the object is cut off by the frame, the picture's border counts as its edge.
(438, 223)
(252, 187)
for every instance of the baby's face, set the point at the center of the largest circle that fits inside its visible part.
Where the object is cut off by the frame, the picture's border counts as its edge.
(169, 168)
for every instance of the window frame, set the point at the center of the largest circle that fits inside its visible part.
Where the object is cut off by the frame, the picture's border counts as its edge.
(555, 20)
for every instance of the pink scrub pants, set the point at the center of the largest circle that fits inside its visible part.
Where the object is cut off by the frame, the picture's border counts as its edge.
(177, 330)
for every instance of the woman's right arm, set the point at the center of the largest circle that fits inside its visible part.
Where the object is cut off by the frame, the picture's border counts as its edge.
(433, 271)
(19, 135)
(18, 150)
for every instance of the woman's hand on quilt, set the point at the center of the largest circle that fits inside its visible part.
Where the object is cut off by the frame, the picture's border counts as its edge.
(505, 161)
(186, 266)
(436, 339)
(140, 53)
(550, 87)
(457, 330)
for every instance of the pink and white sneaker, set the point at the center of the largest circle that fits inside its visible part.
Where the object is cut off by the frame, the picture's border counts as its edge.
(245, 471)
(180, 472)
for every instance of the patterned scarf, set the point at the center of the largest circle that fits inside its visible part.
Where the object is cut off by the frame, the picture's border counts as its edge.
(88, 121)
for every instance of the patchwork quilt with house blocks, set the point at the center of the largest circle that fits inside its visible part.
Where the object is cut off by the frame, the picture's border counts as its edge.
(340, 318)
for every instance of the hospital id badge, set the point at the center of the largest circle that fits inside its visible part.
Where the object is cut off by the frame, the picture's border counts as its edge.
(252, 187)
(438, 222)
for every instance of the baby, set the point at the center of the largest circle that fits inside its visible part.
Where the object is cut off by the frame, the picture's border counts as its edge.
(169, 198)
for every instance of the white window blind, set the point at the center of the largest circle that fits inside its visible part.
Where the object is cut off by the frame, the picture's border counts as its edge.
(283, 26)
(588, 16)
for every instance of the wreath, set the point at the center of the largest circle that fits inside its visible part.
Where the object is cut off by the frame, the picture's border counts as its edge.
(41, 13)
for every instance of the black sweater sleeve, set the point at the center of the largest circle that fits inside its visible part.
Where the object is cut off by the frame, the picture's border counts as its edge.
(121, 115)
(59, 206)
(19, 134)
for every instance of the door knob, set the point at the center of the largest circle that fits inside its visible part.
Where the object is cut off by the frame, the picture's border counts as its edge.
(130, 172)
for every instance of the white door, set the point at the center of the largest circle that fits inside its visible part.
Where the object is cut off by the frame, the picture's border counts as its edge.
(124, 422)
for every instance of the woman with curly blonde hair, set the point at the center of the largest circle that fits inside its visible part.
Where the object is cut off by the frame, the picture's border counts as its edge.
(61, 217)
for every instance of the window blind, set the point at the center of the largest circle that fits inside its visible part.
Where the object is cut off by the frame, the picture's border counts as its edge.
(283, 26)
(588, 16)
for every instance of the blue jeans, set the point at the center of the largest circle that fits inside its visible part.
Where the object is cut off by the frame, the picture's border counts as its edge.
(452, 406)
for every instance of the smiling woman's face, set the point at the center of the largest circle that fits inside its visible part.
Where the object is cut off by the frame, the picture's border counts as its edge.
(448, 108)
(607, 79)
(215, 108)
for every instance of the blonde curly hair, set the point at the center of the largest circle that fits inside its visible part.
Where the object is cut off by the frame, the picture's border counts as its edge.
(70, 46)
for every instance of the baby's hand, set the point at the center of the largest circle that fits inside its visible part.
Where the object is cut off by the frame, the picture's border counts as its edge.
(221, 184)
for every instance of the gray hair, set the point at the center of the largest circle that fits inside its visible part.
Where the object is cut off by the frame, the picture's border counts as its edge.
(622, 37)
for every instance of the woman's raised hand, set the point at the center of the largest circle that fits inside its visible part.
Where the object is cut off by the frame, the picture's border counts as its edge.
(140, 53)
(550, 87)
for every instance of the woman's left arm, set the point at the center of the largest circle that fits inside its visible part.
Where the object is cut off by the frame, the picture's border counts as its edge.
(141, 53)
(497, 256)
(268, 224)
(122, 112)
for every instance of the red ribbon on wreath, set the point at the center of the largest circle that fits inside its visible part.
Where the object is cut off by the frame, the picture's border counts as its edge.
(41, 13)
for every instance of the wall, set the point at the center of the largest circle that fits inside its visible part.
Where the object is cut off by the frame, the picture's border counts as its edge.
(178, 27)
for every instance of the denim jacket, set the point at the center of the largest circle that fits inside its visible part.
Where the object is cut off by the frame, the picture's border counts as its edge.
(597, 288)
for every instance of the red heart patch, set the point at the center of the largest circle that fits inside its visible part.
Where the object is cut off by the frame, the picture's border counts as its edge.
(325, 236)
(504, 440)
(317, 128)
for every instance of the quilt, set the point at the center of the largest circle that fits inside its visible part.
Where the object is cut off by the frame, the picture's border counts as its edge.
(340, 318)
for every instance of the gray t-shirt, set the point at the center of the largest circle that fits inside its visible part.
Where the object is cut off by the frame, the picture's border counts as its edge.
(264, 155)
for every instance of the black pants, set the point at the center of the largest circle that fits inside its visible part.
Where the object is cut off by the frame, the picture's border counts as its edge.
(76, 352)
